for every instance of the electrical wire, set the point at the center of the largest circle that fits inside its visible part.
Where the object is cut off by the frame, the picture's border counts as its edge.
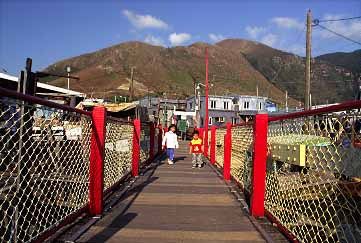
(338, 34)
(334, 20)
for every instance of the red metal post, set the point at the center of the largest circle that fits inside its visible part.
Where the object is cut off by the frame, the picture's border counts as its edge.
(97, 152)
(205, 141)
(213, 145)
(227, 152)
(136, 148)
(259, 165)
(160, 138)
(151, 141)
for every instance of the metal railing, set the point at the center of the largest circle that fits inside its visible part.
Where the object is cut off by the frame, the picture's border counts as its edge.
(313, 185)
(118, 151)
(312, 159)
(56, 161)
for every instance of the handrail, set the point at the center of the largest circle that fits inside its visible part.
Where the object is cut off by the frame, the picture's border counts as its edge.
(119, 120)
(333, 108)
(243, 124)
(40, 101)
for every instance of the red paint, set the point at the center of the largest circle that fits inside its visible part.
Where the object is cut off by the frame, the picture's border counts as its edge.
(333, 108)
(227, 152)
(96, 166)
(160, 138)
(136, 148)
(201, 132)
(151, 141)
(260, 129)
(213, 145)
(205, 140)
(40, 101)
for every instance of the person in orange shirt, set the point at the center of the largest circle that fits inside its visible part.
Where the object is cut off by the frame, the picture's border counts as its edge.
(196, 150)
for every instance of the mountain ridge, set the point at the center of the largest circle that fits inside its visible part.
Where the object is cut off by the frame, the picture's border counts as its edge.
(235, 66)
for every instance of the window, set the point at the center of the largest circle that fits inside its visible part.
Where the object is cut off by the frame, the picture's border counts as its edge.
(210, 121)
(260, 106)
(190, 106)
(225, 105)
(213, 104)
(246, 105)
(234, 120)
(220, 119)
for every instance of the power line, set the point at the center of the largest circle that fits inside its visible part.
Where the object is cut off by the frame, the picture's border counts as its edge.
(316, 21)
(338, 34)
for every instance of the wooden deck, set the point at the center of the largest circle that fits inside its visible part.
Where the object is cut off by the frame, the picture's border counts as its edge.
(175, 203)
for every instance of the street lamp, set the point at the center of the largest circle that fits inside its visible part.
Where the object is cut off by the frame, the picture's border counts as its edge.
(68, 70)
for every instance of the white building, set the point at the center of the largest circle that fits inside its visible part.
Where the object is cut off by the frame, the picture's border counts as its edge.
(231, 108)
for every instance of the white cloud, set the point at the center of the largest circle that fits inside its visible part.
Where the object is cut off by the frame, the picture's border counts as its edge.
(144, 21)
(269, 39)
(255, 32)
(297, 49)
(177, 39)
(154, 40)
(351, 29)
(215, 37)
(288, 23)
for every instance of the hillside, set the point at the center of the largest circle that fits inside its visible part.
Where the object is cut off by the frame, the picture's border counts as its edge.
(286, 71)
(235, 66)
(348, 60)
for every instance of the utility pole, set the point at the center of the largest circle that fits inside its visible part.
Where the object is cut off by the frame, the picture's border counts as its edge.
(131, 86)
(308, 61)
(286, 101)
(207, 113)
(257, 96)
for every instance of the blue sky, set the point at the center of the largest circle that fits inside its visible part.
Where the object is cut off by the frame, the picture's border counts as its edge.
(49, 31)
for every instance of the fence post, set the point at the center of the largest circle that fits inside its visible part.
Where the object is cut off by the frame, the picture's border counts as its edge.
(96, 166)
(227, 152)
(151, 141)
(136, 148)
(160, 139)
(259, 165)
(213, 145)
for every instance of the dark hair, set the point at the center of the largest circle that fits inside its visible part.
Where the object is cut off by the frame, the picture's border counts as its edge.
(172, 126)
(196, 132)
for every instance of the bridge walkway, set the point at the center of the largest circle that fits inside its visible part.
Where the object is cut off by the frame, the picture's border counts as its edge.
(176, 203)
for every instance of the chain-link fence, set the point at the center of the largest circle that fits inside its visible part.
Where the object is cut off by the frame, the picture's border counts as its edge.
(144, 142)
(156, 134)
(313, 185)
(118, 151)
(44, 167)
(242, 149)
(220, 145)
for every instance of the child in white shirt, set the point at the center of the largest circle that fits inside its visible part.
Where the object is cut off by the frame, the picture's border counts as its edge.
(171, 141)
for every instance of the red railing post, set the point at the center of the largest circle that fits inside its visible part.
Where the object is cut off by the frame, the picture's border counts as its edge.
(136, 148)
(227, 152)
(97, 152)
(151, 141)
(213, 145)
(259, 165)
(160, 138)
